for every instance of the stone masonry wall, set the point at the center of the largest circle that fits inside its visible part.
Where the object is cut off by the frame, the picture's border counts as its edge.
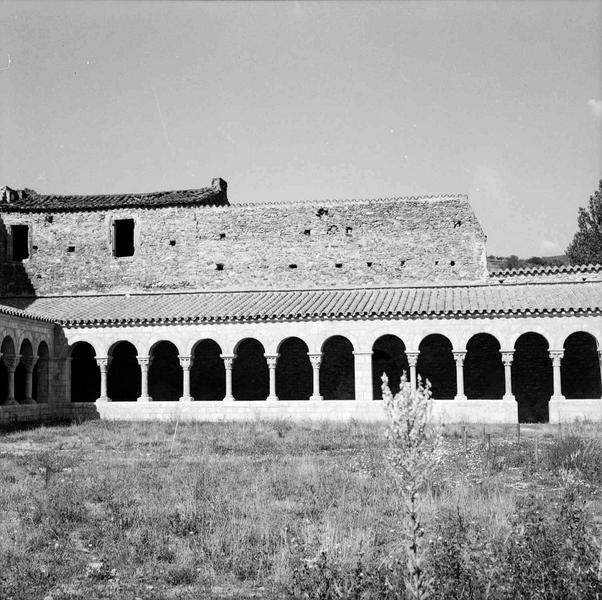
(348, 243)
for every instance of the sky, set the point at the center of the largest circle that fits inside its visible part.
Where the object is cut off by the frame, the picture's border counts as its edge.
(313, 100)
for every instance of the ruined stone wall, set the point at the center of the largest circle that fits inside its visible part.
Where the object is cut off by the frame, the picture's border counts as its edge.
(349, 243)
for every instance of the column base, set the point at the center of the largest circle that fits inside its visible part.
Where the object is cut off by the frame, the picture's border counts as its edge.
(509, 397)
(555, 398)
(103, 399)
(272, 399)
(460, 397)
(144, 399)
(316, 398)
(10, 402)
(28, 401)
(186, 399)
(228, 399)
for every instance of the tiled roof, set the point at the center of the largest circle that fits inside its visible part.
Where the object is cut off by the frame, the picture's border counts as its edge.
(394, 302)
(546, 270)
(30, 200)
(17, 312)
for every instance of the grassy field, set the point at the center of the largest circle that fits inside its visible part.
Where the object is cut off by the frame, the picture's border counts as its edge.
(280, 510)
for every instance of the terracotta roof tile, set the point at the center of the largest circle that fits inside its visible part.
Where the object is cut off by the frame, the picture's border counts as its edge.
(404, 302)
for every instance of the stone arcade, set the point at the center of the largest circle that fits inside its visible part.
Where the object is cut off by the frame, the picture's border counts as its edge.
(148, 306)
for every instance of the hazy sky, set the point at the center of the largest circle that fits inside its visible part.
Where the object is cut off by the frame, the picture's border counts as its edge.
(292, 101)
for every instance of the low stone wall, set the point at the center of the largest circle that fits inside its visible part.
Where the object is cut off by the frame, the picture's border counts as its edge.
(562, 411)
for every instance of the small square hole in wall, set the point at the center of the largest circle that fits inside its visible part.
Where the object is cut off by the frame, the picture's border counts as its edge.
(222, 236)
(322, 212)
(49, 218)
(452, 262)
(348, 230)
(219, 266)
(34, 247)
(338, 265)
(436, 262)
(71, 249)
(307, 232)
(292, 266)
(402, 263)
(369, 264)
(457, 224)
(172, 242)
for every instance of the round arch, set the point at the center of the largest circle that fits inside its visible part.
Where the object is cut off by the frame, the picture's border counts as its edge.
(85, 374)
(123, 377)
(337, 371)
(164, 372)
(580, 367)
(207, 374)
(483, 368)
(436, 364)
(294, 375)
(41, 374)
(250, 377)
(532, 382)
(388, 356)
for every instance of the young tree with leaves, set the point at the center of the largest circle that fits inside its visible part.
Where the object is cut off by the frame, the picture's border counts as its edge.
(586, 247)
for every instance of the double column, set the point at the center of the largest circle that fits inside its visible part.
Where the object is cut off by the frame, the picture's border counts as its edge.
(272, 360)
(556, 356)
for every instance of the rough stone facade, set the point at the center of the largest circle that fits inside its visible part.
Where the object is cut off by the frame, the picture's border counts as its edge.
(296, 245)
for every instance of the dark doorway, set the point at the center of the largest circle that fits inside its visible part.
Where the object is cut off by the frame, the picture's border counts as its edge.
(123, 379)
(437, 365)
(483, 368)
(250, 377)
(388, 356)
(337, 371)
(294, 375)
(164, 373)
(208, 374)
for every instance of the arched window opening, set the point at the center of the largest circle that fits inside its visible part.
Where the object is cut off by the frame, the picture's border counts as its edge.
(250, 377)
(532, 381)
(123, 377)
(436, 364)
(41, 381)
(580, 367)
(483, 368)
(208, 374)
(337, 371)
(293, 371)
(164, 373)
(388, 356)
(85, 374)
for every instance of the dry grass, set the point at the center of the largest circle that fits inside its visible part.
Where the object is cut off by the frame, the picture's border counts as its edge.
(125, 510)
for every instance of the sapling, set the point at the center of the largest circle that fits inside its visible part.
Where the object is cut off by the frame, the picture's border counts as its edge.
(415, 452)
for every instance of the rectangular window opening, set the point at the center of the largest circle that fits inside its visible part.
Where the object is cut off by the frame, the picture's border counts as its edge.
(123, 237)
(20, 241)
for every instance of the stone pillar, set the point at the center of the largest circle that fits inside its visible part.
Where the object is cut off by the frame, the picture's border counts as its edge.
(144, 362)
(103, 363)
(272, 360)
(600, 361)
(29, 362)
(315, 360)
(363, 376)
(42, 392)
(556, 356)
(228, 363)
(507, 358)
(412, 362)
(11, 361)
(186, 363)
(459, 358)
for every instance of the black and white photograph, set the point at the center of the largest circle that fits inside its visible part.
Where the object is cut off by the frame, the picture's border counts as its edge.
(301, 300)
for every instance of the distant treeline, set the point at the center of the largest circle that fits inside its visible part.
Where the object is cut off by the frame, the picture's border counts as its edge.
(497, 263)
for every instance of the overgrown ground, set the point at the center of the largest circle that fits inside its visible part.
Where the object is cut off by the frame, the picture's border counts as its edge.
(279, 510)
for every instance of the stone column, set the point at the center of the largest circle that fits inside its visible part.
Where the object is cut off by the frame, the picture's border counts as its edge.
(103, 363)
(29, 362)
(600, 361)
(144, 362)
(459, 358)
(272, 360)
(556, 356)
(412, 362)
(228, 363)
(186, 363)
(315, 360)
(11, 361)
(507, 358)
(363, 376)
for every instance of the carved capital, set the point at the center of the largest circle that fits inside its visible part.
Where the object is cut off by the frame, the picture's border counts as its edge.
(412, 358)
(11, 361)
(144, 361)
(507, 357)
(186, 362)
(29, 361)
(228, 360)
(556, 356)
(103, 362)
(459, 358)
(315, 359)
(272, 360)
